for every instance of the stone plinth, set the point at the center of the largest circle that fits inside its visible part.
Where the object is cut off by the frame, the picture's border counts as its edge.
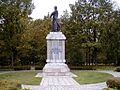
(56, 69)
(56, 55)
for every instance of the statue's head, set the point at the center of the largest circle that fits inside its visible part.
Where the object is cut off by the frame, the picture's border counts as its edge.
(55, 7)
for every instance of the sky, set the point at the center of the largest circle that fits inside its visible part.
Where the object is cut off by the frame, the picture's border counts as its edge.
(43, 7)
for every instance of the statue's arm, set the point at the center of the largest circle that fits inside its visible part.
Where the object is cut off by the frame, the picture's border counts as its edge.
(51, 14)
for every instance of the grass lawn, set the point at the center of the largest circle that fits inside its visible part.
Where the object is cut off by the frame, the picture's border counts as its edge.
(84, 77)
(87, 77)
(27, 77)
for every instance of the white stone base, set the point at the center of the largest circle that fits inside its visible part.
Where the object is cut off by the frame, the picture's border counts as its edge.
(56, 69)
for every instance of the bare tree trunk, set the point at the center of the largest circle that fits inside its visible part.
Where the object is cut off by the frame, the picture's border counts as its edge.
(86, 58)
(12, 62)
(89, 56)
(95, 49)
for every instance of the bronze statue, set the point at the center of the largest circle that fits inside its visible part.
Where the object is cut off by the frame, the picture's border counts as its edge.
(55, 24)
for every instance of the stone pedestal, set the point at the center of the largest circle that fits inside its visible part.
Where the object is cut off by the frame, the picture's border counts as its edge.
(56, 55)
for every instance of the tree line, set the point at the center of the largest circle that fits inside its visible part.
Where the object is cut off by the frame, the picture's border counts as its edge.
(92, 30)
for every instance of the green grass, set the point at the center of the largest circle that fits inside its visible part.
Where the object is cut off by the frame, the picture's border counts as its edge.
(87, 77)
(23, 77)
(28, 77)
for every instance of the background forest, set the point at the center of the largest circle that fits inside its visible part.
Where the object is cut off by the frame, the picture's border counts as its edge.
(92, 30)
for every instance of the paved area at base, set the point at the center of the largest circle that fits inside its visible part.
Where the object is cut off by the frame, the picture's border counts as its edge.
(64, 88)
(99, 86)
(58, 81)
(64, 83)
(67, 83)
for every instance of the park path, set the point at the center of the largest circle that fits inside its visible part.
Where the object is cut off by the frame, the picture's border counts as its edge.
(67, 83)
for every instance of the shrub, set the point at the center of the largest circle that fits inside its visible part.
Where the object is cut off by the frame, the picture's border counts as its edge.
(114, 83)
(8, 68)
(117, 69)
(9, 84)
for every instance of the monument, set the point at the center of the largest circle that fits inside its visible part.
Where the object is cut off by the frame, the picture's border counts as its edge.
(55, 50)
(56, 74)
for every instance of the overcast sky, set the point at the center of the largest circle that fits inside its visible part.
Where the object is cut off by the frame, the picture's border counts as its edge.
(42, 7)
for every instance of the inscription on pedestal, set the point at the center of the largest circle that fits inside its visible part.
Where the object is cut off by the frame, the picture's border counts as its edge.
(56, 53)
(56, 50)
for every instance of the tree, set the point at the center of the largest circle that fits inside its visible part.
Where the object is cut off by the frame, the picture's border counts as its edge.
(110, 38)
(16, 17)
(34, 47)
(85, 29)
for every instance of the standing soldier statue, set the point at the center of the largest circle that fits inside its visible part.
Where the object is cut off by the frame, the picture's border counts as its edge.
(55, 24)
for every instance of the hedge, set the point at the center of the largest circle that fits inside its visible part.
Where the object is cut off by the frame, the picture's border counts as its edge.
(16, 68)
